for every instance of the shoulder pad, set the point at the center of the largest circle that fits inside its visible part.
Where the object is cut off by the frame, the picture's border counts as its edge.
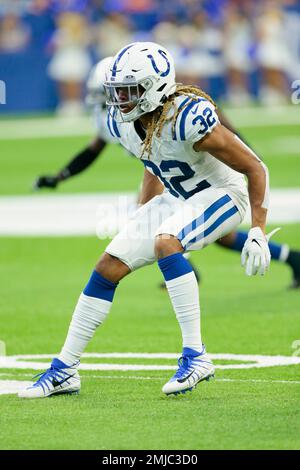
(195, 119)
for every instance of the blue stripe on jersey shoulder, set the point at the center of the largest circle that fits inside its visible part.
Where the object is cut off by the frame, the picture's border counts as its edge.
(184, 114)
(116, 130)
(179, 108)
(108, 122)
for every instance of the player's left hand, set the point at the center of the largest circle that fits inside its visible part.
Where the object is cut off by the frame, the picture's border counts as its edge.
(256, 255)
(46, 182)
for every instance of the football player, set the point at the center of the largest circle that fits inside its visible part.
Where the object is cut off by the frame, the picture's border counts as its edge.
(96, 99)
(176, 134)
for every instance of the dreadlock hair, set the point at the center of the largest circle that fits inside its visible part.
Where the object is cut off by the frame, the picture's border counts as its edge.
(160, 115)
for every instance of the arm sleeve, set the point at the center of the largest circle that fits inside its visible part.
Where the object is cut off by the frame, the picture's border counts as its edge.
(81, 161)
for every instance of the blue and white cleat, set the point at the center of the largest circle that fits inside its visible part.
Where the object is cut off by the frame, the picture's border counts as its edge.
(59, 379)
(192, 369)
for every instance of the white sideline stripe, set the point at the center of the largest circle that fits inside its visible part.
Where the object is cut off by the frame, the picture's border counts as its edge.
(130, 355)
(103, 213)
(45, 127)
(123, 377)
(249, 361)
(136, 377)
(293, 382)
(12, 386)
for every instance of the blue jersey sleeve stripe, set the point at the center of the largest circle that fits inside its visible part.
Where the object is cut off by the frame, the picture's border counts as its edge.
(184, 114)
(179, 108)
(226, 215)
(116, 130)
(203, 217)
(108, 123)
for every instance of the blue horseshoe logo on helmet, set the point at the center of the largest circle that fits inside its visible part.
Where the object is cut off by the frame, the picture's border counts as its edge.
(163, 54)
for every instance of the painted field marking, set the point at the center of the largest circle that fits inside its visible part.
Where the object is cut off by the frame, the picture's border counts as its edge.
(140, 377)
(103, 214)
(14, 386)
(30, 361)
(250, 361)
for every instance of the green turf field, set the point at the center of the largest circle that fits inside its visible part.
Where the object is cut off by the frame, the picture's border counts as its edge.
(41, 278)
(239, 315)
(25, 159)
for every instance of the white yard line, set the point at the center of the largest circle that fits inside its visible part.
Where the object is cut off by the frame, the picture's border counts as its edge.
(103, 214)
(137, 377)
(12, 386)
(248, 361)
(245, 361)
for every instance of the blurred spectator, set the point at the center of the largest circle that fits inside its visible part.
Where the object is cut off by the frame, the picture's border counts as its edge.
(144, 14)
(13, 6)
(292, 36)
(39, 19)
(238, 43)
(166, 33)
(71, 62)
(60, 6)
(14, 35)
(273, 53)
(209, 47)
(113, 33)
(243, 49)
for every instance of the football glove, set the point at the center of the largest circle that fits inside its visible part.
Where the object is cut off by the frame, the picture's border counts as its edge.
(46, 182)
(256, 255)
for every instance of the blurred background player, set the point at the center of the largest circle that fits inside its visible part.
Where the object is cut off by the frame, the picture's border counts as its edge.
(80, 162)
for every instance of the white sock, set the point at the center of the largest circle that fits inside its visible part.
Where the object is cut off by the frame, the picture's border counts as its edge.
(184, 295)
(284, 253)
(90, 312)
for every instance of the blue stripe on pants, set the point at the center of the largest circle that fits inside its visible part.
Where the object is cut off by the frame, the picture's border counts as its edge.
(203, 217)
(213, 226)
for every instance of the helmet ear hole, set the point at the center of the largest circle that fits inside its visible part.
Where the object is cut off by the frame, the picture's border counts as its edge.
(147, 107)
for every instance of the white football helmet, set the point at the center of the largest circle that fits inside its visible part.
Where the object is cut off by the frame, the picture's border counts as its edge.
(143, 72)
(95, 83)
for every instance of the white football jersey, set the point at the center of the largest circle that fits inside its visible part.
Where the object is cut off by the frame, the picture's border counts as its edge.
(103, 131)
(183, 171)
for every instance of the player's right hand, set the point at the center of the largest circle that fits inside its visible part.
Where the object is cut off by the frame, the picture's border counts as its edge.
(46, 182)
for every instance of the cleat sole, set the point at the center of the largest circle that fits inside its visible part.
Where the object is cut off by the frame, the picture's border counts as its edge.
(182, 392)
(67, 392)
(210, 377)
